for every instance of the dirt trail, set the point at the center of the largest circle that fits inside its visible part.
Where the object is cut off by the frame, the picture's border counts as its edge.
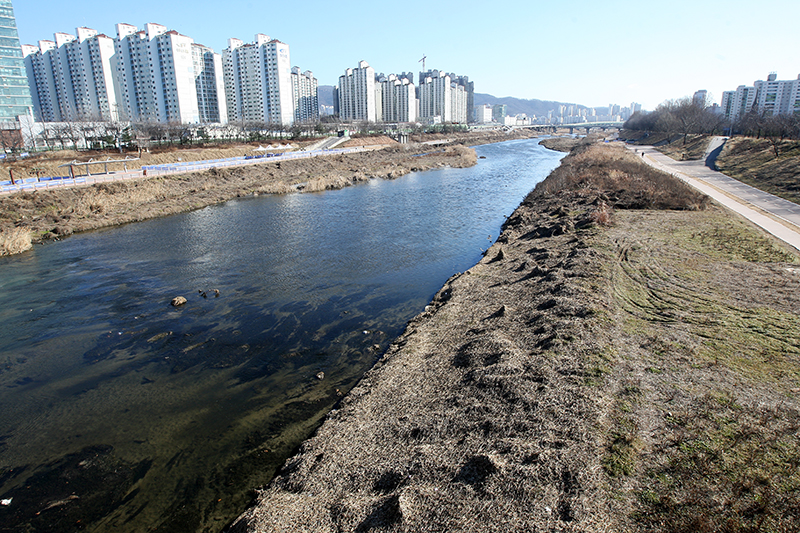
(601, 369)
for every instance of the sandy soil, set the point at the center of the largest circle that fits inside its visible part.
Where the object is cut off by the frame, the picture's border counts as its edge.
(604, 368)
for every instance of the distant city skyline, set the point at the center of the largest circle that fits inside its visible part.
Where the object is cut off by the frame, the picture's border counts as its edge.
(593, 53)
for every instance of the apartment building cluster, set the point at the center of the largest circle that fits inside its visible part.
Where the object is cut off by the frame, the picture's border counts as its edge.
(363, 95)
(160, 75)
(563, 114)
(573, 114)
(768, 98)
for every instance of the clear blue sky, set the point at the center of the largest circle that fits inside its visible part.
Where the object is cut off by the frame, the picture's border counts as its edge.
(588, 52)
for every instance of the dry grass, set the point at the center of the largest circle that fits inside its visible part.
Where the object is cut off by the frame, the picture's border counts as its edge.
(670, 144)
(753, 161)
(48, 163)
(14, 241)
(636, 376)
(617, 175)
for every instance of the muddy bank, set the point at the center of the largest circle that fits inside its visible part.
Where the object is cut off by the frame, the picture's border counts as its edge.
(617, 361)
(53, 214)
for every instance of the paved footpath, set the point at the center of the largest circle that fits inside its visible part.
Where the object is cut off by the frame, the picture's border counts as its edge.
(777, 216)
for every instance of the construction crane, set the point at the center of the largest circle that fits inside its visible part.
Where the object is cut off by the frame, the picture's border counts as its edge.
(424, 57)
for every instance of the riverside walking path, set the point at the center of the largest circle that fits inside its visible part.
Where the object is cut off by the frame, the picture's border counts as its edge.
(30, 184)
(775, 215)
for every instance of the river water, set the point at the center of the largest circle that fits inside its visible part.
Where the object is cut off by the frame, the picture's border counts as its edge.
(120, 412)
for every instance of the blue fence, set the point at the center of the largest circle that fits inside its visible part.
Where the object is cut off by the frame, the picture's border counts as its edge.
(171, 168)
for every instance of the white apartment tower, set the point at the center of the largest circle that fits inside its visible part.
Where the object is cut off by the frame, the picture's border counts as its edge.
(777, 97)
(435, 99)
(151, 75)
(736, 104)
(209, 84)
(398, 99)
(357, 94)
(155, 72)
(304, 95)
(440, 99)
(72, 78)
(767, 98)
(258, 84)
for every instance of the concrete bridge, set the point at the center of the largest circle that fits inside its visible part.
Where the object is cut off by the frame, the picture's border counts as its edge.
(573, 128)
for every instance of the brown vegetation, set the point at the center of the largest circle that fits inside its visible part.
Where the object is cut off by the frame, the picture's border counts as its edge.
(669, 144)
(620, 179)
(753, 161)
(600, 369)
(44, 164)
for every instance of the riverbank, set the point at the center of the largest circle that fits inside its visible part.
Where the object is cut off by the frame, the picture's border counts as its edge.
(770, 165)
(32, 217)
(624, 358)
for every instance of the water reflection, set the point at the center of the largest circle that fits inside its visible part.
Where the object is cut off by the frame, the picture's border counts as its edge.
(168, 417)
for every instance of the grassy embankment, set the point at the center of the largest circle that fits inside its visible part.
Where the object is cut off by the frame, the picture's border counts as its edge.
(625, 358)
(702, 433)
(706, 366)
(670, 144)
(752, 161)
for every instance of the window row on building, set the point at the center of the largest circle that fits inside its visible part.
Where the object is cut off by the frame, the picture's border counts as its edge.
(162, 76)
(364, 96)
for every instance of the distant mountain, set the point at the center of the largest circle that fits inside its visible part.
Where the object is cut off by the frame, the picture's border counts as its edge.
(515, 105)
(519, 105)
(325, 94)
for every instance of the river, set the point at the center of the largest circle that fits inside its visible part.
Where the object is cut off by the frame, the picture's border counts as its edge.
(120, 412)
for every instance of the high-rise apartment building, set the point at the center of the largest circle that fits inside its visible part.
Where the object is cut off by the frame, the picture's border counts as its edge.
(777, 97)
(357, 94)
(462, 81)
(442, 100)
(700, 98)
(767, 98)
(735, 104)
(149, 75)
(483, 114)
(209, 84)
(304, 94)
(258, 83)
(398, 99)
(16, 97)
(155, 72)
(73, 77)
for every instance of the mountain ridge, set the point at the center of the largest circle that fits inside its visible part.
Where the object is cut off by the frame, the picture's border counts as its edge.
(515, 106)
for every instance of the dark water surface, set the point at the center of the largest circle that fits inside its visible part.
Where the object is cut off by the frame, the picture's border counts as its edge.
(119, 412)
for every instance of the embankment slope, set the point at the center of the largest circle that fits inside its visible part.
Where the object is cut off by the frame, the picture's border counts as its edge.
(624, 358)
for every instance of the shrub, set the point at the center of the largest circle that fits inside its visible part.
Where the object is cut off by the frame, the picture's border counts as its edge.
(612, 172)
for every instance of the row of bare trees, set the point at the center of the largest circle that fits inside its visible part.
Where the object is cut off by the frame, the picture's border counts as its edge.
(687, 116)
(684, 116)
(129, 136)
(104, 135)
